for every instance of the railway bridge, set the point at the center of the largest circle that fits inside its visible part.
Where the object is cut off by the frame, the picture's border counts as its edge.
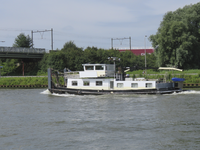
(21, 52)
(25, 54)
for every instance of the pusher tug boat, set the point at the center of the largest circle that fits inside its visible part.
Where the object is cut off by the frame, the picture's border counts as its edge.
(99, 79)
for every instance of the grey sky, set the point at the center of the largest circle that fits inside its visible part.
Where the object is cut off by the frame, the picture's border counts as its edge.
(86, 22)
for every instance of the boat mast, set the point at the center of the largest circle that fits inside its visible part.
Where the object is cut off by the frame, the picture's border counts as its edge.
(114, 59)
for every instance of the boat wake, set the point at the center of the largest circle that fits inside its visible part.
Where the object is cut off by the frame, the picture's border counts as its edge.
(55, 94)
(46, 92)
(62, 95)
(187, 92)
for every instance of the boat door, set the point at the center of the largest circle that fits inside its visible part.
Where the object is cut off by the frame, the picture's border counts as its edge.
(111, 85)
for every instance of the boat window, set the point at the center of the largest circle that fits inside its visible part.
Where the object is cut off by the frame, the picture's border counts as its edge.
(120, 85)
(89, 67)
(98, 83)
(148, 85)
(99, 68)
(134, 85)
(74, 83)
(86, 83)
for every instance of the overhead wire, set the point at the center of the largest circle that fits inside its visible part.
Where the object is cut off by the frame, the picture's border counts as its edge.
(68, 36)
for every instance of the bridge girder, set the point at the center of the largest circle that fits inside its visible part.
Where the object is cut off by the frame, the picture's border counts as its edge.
(18, 55)
(19, 52)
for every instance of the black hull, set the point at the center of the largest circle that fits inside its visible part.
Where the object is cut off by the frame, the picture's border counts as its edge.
(105, 92)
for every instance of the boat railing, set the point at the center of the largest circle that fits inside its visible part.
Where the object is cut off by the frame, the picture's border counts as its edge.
(72, 74)
(57, 79)
(139, 79)
(161, 80)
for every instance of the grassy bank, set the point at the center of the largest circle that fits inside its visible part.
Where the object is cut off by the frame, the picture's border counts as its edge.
(151, 71)
(191, 76)
(24, 81)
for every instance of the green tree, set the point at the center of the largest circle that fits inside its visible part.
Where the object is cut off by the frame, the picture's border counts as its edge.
(151, 60)
(90, 55)
(23, 41)
(73, 56)
(9, 66)
(56, 60)
(43, 64)
(70, 45)
(177, 40)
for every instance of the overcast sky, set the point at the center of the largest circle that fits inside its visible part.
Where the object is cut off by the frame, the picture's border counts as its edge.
(86, 22)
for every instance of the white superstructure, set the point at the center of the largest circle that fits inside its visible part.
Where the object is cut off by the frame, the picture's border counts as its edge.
(97, 70)
(109, 84)
(96, 77)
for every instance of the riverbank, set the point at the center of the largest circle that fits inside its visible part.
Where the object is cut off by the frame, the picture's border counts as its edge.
(42, 82)
(24, 82)
(23, 86)
(192, 77)
(191, 85)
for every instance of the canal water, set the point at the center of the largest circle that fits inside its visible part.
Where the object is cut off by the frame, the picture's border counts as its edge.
(33, 119)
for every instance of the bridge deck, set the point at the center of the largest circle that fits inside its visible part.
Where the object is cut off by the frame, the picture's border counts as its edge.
(20, 52)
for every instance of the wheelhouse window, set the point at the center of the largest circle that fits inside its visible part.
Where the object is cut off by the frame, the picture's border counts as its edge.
(120, 85)
(149, 85)
(74, 83)
(99, 68)
(134, 85)
(89, 67)
(86, 83)
(99, 83)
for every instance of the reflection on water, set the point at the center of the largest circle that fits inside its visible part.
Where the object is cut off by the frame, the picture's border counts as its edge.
(37, 119)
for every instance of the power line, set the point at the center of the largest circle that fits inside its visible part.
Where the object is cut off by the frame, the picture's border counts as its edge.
(14, 30)
(121, 42)
(42, 35)
(80, 36)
